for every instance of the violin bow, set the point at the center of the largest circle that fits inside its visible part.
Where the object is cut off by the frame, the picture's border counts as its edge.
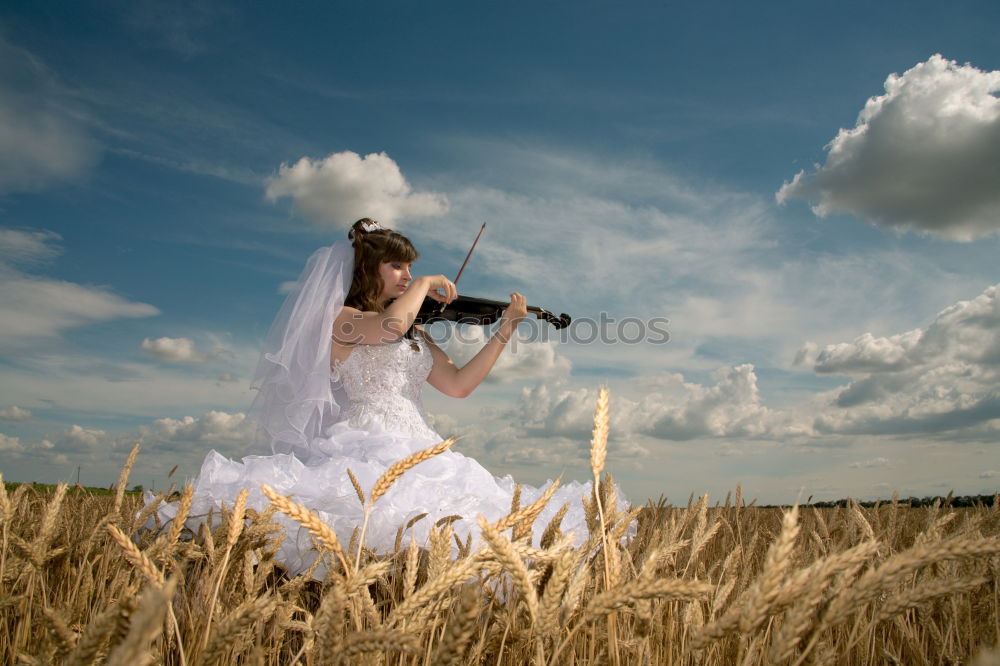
(441, 307)
(481, 230)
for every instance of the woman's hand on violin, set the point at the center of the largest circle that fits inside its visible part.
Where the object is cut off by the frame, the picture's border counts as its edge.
(516, 311)
(440, 288)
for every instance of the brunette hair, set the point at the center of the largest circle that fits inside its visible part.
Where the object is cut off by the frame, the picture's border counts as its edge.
(371, 250)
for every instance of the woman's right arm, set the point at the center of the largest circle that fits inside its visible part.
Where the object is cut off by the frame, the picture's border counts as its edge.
(354, 327)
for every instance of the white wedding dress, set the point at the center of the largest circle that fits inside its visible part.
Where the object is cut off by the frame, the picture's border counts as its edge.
(383, 422)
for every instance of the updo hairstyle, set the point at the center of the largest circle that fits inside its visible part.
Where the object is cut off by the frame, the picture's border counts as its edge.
(371, 250)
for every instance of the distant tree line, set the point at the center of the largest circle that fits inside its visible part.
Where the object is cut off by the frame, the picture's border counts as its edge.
(956, 501)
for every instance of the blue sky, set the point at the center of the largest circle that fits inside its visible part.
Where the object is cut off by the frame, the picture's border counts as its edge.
(807, 191)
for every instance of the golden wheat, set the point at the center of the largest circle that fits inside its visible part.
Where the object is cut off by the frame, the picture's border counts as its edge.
(696, 584)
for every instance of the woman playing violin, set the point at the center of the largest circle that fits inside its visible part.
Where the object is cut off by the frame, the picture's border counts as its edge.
(384, 301)
(340, 381)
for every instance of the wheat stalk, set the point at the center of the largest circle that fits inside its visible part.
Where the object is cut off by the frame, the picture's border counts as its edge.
(598, 454)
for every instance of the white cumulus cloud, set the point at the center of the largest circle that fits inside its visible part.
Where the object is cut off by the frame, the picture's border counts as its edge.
(213, 429)
(921, 157)
(10, 444)
(177, 350)
(74, 443)
(939, 378)
(341, 188)
(670, 409)
(14, 413)
(79, 440)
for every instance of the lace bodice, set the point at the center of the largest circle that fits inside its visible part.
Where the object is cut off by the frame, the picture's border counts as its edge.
(383, 384)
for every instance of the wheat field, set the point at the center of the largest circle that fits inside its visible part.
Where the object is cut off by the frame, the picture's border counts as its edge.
(700, 584)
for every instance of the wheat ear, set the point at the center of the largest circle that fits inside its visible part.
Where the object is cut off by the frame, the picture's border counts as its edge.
(183, 509)
(915, 597)
(875, 581)
(93, 638)
(512, 562)
(40, 552)
(805, 591)
(144, 625)
(410, 575)
(528, 514)
(357, 486)
(459, 572)
(322, 532)
(626, 594)
(136, 557)
(64, 638)
(460, 629)
(548, 606)
(359, 642)
(390, 476)
(235, 527)
(766, 588)
(123, 477)
(599, 441)
(238, 621)
(399, 468)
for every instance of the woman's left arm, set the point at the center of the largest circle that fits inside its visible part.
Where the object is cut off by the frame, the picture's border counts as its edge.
(460, 382)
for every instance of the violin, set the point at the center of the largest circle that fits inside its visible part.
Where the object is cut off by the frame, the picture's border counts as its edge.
(480, 311)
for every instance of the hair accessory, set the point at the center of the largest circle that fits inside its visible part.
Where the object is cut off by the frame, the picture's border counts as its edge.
(370, 226)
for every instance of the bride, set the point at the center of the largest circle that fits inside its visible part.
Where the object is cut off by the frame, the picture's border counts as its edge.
(339, 389)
